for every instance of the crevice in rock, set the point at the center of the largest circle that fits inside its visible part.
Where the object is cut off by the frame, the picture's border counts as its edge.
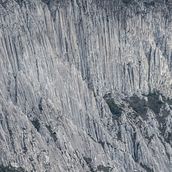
(15, 90)
(149, 68)
(96, 129)
(40, 106)
(154, 103)
(25, 149)
(115, 109)
(135, 147)
(104, 168)
(102, 143)
(119, 134)
(149, 4)
(150, 138)
(9, 168)
(140, 64)
(89, 163)
(37, 68)
(36, 124)
(147, 169)
(126, 1)
(52, 133)
(139, 106)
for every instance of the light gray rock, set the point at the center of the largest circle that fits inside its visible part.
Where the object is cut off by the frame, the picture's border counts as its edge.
(85, 85)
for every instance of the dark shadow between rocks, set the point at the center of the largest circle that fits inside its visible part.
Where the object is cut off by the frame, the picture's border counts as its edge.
(114, 108)
(10, 169)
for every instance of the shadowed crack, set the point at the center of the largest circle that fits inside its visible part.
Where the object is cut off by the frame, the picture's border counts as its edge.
(10, 169)
(115, 109)
(52, 133)
(89, 163)
(139, 106)
(104, 168)
(147, 169)
(36, 124)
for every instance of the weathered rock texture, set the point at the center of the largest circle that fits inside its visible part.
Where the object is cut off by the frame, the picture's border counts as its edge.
(85, 85)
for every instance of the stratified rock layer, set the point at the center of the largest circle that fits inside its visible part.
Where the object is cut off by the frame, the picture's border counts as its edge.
(85, 85)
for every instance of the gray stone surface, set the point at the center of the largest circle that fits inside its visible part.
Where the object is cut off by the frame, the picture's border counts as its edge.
(85, 85)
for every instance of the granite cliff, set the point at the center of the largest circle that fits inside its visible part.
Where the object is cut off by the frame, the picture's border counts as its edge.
(85, 85)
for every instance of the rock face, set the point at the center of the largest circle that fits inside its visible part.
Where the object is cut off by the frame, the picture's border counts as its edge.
(85, 85)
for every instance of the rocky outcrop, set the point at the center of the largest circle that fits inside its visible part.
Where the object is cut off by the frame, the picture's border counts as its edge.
(85, 85)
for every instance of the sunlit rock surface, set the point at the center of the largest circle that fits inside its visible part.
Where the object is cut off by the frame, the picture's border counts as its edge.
(85, 85)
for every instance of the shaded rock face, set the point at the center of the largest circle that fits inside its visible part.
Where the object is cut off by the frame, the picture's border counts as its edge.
(85, 85)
